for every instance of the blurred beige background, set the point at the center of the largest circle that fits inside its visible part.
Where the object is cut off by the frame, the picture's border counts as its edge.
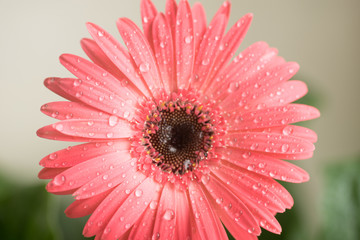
(323, 36)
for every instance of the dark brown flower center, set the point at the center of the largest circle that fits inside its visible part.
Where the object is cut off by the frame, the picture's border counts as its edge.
(178, 138)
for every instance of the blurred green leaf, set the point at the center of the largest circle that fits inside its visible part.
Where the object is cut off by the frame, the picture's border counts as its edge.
(341, 201)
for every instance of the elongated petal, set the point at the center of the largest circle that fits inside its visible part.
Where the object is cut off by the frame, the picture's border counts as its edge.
(96, 54)
(182, 214)
(84, 207)
(143, 229)
(230, 206)
(184, 44)
(141, 52)
(92, 128)
(264, 165)
(80, 174)
(272, 117)
(119, 56)
(49, 173)
(107, 180)
(205, 219)
(74, 155)
(164, 51)
(50, 132)
(99, 96)
(131, 209)
(271, 143)
(231, 42)
(52, 84)
(72, 110)
(199, 17)
(148, 14)
(105, 211)
(208, 50)
(165, 216)
(170, 14)
(248, 189)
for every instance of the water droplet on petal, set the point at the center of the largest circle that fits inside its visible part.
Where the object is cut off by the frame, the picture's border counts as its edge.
(113, 120)
(138, 193)
(59, 180)
(144, 67)
(205, 62)
(169, 214)
(52, 156)
(188, 39)
(59, 127)
(153, 204)
(285, 148)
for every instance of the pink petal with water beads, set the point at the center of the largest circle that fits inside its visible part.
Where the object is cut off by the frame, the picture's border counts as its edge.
(182, 214)
(208, 50)
(52, 84)
(50, 132)
(72, 110)
(184, 44)
(74, 155)
(207, 223)
(84, 207)
(231, 42)
(131, 209)
(49, 173)
(96, 54)
(165, 221)
(247, 189)
(230, 207)
(164, 51)
(279, 94)
(141, 52)
(100, 97)
(148, 14)
(119, 56)
(296, 156)
(143, 229)
(107, 180)
(170, 14)
(95, 129)
(264, 165)
(84, 172)
(268, 142)
(105, 211)
(271, 117)
(199, 17)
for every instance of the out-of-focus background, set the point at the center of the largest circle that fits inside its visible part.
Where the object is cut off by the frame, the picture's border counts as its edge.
(323, 36)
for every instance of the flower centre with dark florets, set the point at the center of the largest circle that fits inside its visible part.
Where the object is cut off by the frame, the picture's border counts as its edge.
(178, 136)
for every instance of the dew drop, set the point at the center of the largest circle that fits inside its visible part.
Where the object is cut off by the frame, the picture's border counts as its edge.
(205, 62)
(59, 180)
(169, 214)
(127, 226)
(144, 67)
(59, 127)
(188, 39)
(52, 156)
(138, 193)
(113, 120)
(287, 130)
(100, 34)
(105, 177)
(285, 147)
(153, 204)
(109, 135)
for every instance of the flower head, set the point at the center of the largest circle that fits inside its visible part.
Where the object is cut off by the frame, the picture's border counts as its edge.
(181, 137)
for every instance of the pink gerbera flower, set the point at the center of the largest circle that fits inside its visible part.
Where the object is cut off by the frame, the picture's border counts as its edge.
(181, 137)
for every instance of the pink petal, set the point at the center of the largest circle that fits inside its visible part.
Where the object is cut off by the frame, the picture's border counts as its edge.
(208, 50)
(105, 211)
(247, 189)
(248, 90)
(82, 173)
(184, 44)
(165, 216)
(107, 180)
(148, 14)
(266, 142)
(93, 74)
(95, 129)
(229, 206)
(72, 110)
(131, 209)
(52, 84)
(143, 229)
(49, 173)
(141, 52)
(207, 222)
(74, 155)
(118, 55)
(49, 132)
(297, 156)
(231, 42)
(84, 207)
(199, 17)
(100, 96)
(272, 117)
(94, 52)
(291, 130)
(264, 165)
(280, 94)
(264, 218)
(170, 14)
(182, 214)
(164, 51)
